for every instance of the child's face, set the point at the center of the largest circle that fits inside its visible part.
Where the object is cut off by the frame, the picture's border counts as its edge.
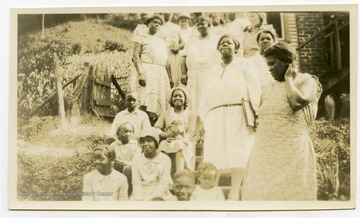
(183, 188)
(102, 162)
(124, 132)
(148, 145)
(178, 98)
(207, 179)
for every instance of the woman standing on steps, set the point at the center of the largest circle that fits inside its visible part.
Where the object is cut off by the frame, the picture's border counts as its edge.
(151, 63)
(228, 140)
(282, 165)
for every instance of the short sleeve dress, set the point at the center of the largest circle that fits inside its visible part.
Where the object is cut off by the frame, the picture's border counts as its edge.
(153, 60)
(228, 140)
(188, 150)
(201, 54)
(282, 165)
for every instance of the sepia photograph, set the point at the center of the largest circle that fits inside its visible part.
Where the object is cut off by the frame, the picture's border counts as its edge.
(202, 108)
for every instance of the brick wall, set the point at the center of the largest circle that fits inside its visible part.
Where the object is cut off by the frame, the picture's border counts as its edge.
(312, 58)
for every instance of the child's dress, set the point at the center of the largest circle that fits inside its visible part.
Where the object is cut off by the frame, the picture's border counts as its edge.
(211, 194)
(178, 143)
(98, 187)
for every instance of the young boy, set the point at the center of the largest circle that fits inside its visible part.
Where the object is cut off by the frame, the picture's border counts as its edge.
(207, 190)
(131, 114)
(104, 183)
(184, 184)
(126, 149)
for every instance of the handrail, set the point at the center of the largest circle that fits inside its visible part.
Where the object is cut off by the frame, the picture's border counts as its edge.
(318, 33)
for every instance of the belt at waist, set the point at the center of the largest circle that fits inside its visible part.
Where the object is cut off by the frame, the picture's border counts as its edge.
(225, 105)
(149, 60)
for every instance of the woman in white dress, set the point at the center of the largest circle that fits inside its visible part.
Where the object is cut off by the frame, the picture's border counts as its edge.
(228, 140)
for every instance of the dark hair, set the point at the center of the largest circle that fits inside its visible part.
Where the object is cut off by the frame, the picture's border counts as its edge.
(236, 42)
(153, 18)
(282, 51)
(186, 102)
(269, 31)
(203, 19)
(109, 152)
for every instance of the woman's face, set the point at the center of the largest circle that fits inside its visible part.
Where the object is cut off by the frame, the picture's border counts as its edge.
(184, 22)
(178, 98)
(203, 27)
(265, 41)
(102, 162)
(227, 46)
(154, 25)
(148, 145)
(254, 19)
(277, 67)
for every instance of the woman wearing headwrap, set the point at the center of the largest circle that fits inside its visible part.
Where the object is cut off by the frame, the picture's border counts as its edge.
(282, 165)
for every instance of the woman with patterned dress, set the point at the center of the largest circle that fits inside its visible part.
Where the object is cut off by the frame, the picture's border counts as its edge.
(282, 165)
(228, 140)
(150, 60)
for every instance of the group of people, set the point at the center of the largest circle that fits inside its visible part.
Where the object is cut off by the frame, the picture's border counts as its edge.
(227, 83)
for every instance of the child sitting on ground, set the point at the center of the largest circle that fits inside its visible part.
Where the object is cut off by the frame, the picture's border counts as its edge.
(207, 190)
(104, 183)
(126, 149)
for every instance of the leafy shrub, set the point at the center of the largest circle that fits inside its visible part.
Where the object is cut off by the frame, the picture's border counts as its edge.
(114, 46)
(74, 41)
(332, 146)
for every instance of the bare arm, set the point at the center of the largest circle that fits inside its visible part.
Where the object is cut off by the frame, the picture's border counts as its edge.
(299, 97)
(183, 70)
(137, 64)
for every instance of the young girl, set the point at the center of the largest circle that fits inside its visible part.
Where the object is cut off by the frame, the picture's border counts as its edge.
(104, 183)
(177, 126)
(151, 170)
(126, 149)
(207, 190)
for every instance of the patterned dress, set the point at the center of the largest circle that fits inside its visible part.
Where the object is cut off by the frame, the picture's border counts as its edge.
(153, 61)
(282, 165)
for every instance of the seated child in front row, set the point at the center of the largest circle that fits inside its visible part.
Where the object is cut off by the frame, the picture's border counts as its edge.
(104, 183)
(207, 190)
(126, 149)
(184, 185)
